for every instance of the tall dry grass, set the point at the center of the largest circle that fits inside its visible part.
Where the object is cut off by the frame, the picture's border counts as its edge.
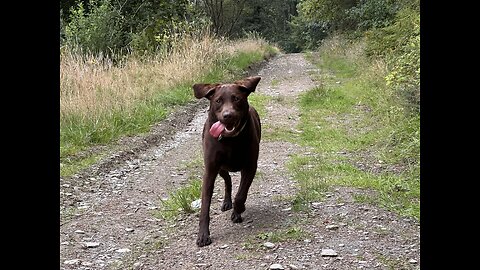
(93, 85)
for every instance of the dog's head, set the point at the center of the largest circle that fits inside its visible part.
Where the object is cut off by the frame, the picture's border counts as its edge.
(228, 103)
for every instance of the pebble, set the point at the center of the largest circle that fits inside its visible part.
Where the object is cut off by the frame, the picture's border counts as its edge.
(79, 232)
(293, 266)
(129, 229)
(328, 252)
(331, 227)
(123, 250)
(269, 245)
(224, 246)
(196, 204)
(91, 244)
(412, 261)
(316, 204)
(74, 261)
(276, 266)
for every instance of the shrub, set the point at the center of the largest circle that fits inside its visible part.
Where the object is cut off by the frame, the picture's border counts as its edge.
(399, 44)
(373, 13)
(98, 31)
(307, 35)
(163, 35)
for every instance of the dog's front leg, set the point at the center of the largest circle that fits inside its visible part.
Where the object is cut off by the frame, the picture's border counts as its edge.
(239, 204)
(227, 199)
(207, 191)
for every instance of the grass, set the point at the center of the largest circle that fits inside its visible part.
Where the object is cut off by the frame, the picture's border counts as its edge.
(292, 233)
(259, 102)
(101, 102)
(359, 134)
(179, 201)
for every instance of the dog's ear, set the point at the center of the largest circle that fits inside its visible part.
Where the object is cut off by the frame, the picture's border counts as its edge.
(249, 83)
(203, 90)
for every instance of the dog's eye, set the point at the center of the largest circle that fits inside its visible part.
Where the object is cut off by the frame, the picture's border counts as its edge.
(234, 98)
(218, 100)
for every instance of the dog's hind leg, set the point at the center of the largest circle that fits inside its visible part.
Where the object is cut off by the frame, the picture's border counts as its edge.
(227, 199)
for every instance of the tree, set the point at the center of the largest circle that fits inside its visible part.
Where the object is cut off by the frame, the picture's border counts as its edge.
(224, 14)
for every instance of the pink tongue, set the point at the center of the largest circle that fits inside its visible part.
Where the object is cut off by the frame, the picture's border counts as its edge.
(217, 129)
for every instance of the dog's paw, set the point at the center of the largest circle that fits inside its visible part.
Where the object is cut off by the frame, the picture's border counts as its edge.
(227, 205)
(236, 218)
(239, 207)
(203, 240)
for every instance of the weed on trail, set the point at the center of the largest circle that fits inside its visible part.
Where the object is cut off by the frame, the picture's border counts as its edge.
(180, 200)
(360, 135)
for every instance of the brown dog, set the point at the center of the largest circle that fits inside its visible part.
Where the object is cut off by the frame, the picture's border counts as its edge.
(231, 138)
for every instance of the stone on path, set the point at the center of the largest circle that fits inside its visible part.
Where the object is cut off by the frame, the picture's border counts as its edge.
(269, 245)
(328, 253)
(276, 266)
(70, 262)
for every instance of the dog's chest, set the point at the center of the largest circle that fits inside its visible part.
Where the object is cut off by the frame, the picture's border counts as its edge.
(234, 156)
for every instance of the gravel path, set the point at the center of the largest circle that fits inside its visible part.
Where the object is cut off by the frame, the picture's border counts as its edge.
(108, 221)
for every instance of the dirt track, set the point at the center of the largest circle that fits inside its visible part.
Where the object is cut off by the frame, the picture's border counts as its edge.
(110, 207)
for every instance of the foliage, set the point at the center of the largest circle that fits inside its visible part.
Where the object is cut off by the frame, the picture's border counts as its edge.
(358, 132)
(224, 14)
(99, 31)
(106, 26)
(399, 44)
(373, 13)
(270, 18)
(155, 24)
(306, 35)
(161, 37)
(331, 12)
(180, 200)
(391, 27)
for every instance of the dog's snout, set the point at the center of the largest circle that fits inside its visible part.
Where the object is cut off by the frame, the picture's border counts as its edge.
(227, 115)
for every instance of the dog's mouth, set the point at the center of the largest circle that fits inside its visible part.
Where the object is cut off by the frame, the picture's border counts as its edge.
(218, 128)
(229, 128)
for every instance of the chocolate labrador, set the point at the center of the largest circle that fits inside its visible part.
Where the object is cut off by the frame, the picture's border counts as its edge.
(231, 138)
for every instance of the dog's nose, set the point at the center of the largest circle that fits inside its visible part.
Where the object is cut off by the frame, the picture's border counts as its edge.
(227, 115)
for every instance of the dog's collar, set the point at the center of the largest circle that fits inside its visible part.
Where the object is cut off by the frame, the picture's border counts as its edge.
(236, 134)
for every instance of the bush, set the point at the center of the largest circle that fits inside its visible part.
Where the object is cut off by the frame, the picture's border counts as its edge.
(162, 35)
(399, 44)
(113, 28)
(98, 31)
(373, 13)
(306, 35)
